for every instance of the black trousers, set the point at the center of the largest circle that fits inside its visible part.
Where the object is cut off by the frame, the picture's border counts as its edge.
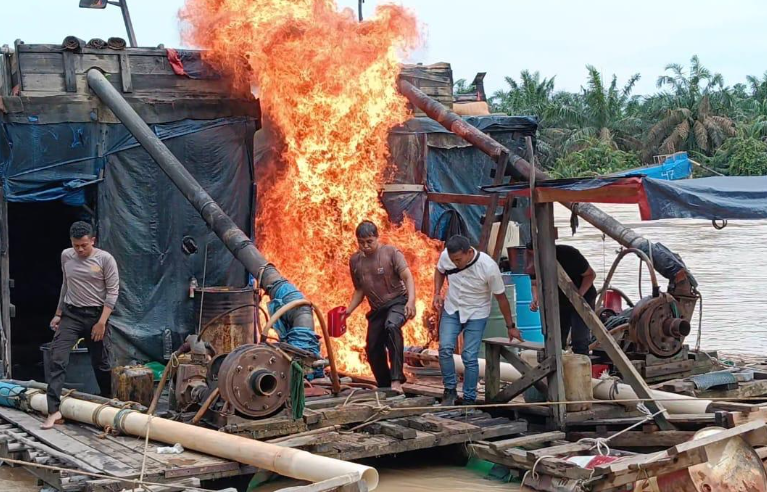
(385, 336)
(77, 323)
(570, 323)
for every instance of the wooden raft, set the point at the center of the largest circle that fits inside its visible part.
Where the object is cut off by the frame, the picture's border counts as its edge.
(550, 452)
(394, 436)
(118, 456)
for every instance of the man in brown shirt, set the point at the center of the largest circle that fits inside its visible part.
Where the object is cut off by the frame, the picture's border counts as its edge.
(380, 274)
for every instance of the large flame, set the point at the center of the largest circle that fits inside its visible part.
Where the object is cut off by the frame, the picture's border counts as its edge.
(327, 83)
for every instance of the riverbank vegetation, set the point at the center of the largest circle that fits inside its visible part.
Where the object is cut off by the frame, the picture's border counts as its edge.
(606, 127)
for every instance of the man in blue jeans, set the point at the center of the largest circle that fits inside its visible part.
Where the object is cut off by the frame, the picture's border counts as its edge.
(473, 279)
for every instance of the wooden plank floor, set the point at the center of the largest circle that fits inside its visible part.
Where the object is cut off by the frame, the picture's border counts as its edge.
(122, 456)
(117, 456)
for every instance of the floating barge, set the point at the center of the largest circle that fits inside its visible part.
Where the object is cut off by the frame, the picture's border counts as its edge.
(541, 443)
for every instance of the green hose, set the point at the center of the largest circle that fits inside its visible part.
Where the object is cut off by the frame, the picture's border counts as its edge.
(297, 400)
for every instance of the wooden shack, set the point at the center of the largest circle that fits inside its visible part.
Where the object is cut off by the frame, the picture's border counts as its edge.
(65, 157)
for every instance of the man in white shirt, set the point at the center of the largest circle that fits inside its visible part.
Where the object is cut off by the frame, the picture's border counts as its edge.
(473, 278)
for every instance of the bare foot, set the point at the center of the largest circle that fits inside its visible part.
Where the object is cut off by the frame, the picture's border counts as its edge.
(397, 386)
(53, 419)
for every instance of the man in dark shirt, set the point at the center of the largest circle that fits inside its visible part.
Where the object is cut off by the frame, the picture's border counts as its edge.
(583, 276)
(380, 274)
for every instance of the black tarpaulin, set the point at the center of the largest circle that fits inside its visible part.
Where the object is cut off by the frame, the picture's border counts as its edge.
(142, 217)
(424, 152)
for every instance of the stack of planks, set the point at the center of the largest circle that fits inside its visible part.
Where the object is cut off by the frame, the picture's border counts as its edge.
(435, 80)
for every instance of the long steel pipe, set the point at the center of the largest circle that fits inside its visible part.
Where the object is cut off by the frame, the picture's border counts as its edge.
(521, 169)
(223, 226)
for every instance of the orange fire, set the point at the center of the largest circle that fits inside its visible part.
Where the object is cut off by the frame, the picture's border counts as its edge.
(327, 84)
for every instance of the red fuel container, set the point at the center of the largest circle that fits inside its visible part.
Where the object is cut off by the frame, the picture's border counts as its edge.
(613, 301)
(337, 321)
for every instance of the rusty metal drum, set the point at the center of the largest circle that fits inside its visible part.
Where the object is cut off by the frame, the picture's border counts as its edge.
(228, 316)
(133, 383)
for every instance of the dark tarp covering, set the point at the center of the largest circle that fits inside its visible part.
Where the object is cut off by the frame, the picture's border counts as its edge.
(714, 198)
(142, 217)
(424, 152)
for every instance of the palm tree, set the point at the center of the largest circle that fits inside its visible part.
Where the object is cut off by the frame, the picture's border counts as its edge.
(530, 96)
(688, 111)
(535, 96)
(758, 87)
(460, 86)
(603, 113)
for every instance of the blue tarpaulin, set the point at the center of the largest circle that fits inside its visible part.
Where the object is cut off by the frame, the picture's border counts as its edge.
(676, 166)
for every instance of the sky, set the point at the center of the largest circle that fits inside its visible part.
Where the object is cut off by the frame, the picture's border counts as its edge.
(500, 37)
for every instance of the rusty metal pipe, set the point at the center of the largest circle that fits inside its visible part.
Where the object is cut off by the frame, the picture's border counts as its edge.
(521, 169)
(222, 225)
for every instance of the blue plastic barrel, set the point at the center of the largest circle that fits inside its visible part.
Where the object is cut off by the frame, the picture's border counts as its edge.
(528, 322)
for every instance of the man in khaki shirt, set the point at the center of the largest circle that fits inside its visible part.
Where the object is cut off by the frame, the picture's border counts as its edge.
(88, 296)
(381, 275)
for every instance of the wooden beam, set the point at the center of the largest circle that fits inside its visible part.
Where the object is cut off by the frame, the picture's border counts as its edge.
(523, 367)
(492, 371)
(500, 238)
(754, 433)
(528, 379)
(611, 194)
(125, 73)
(500, 173)
(548, 302)
(403, 188)
(70, 80)
(521, 441)
(638, 439)
(610, 346)
(5, 289)
(461, 199)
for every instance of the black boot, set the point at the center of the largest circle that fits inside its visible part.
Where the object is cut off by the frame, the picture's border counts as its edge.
(449, 397)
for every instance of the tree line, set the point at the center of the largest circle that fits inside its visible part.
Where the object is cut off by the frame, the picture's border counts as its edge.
(605, 127)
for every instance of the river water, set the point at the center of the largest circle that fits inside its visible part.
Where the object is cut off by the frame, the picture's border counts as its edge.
(728, 264)
(732, 276)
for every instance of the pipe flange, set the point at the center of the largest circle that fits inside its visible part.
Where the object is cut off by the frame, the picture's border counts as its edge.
(255, 380)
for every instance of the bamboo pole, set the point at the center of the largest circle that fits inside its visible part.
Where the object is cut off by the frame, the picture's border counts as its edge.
(289, 462)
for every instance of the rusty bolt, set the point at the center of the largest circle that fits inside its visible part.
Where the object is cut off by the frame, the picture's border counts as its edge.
(282, 375)
(265, 406)
(272, 360)
(238, 369)
(279, 393)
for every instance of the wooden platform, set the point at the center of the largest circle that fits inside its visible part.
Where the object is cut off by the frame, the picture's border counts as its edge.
(549, 455)
(396, 436)
(119, 456)
(348, 428)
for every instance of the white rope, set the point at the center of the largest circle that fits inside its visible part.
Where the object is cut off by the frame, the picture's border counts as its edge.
(600, 443)
(532, 471)
(146, 448)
